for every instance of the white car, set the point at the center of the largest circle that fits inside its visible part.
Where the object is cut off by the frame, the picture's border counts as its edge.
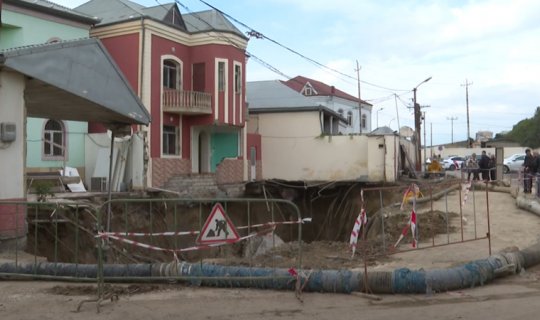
(453, 162)
(514, 162)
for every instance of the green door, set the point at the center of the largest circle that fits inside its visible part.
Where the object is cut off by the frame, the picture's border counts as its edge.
(224, 145)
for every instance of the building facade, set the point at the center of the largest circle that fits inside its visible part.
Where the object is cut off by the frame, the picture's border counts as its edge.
(189, 71)
(51, 144)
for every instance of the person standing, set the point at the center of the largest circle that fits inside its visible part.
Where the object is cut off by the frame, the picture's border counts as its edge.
(472, 168)
(492, 168)
(529, 168)
(483, 163)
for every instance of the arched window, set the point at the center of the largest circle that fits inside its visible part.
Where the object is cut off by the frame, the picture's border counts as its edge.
(54, 140)
(340, 112)
(349, 118)
(364, 121)
(171, 74)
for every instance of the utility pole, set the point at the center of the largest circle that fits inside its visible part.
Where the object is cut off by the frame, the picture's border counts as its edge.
(425, 140)
(359, 99)
(431, 139)
(417, 126)
(466, 85)
(452, 121)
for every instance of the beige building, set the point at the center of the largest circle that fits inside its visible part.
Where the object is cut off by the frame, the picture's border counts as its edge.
(299, 142)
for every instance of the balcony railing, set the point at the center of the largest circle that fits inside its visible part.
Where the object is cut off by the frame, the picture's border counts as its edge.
(186, 102)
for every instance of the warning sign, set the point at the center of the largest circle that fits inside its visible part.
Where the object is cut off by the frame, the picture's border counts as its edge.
(218, 228)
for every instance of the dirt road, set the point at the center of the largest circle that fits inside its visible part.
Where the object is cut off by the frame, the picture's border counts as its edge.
(513, 297)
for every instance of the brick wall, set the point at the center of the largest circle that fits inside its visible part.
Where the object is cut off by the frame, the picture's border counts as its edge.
(12, 220)
(230, 171)
(163, 169)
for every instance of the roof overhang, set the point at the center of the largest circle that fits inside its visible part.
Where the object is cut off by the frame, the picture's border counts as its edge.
(318, 108)
(75, 80)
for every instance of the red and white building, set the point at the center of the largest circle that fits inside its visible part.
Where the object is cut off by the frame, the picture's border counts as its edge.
(189, 71)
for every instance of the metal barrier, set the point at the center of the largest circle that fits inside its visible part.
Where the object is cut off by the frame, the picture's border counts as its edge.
(463, 216)
(73, 241)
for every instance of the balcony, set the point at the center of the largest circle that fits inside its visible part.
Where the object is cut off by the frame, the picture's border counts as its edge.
(186, 102)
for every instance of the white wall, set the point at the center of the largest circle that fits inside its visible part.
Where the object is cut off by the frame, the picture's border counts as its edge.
(12, 155)
(293, 149)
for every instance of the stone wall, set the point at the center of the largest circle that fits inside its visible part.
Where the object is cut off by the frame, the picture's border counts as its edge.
(230, 171)
(163, 169)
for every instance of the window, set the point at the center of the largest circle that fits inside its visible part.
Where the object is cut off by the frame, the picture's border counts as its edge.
(349, 118)
(170, 140)
(221, 76)
(308, 90)
(340, 112)
(53, 140)
(364, 121)
(237, 79)
(171, 71)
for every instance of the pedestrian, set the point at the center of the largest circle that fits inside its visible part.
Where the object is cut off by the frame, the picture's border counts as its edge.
(537, 173)
(492, 168)
(483, 164)
(529, 168)
(472, 168)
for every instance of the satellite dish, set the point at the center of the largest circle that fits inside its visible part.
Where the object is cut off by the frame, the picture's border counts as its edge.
(406, 132)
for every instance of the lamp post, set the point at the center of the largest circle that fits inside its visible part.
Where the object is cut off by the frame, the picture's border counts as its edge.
(378, 115)
(417, 126)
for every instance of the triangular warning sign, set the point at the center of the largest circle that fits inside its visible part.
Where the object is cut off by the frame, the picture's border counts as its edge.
(218, 228)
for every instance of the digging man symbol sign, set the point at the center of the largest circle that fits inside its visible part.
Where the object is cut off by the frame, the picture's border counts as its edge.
(218, 228)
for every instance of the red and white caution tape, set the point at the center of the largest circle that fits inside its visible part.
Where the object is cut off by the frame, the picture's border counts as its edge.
(193, 232)
(360, 221)
(414, 231)
(206, 246)
(465, 188)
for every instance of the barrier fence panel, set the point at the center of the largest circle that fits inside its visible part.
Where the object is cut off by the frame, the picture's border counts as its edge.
(179, 236)
(427, 215)
(50, 245)
(154, 240)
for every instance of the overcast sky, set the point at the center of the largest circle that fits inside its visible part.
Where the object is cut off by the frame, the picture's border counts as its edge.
(494, 44)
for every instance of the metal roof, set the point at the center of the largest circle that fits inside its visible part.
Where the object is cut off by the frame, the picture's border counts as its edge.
(297, 83)
(75, 80)
(209, 20)
(49, 7)
(111, 10)
(114, 11)
(275, 96)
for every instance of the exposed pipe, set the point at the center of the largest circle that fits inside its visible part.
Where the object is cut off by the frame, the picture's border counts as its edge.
(403, 280)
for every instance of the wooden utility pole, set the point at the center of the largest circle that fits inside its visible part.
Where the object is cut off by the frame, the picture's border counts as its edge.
(466, 85)
(359, 97)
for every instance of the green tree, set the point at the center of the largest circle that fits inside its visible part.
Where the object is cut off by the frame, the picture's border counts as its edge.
(527, 132)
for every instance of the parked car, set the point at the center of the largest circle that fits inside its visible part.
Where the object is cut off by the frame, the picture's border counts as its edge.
(453, 162)
(513, 162)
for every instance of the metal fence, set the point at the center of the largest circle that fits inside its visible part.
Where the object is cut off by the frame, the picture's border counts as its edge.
(73, 240)
(436, 214)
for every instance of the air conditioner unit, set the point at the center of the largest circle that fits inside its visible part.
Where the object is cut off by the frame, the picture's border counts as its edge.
(98, 184)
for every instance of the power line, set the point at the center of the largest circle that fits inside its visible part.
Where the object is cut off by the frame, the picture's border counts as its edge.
(260, 35)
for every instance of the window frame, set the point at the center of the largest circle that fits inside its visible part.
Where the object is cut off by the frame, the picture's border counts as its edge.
(364, 121)
(222, 77)
(50, 143)
(171, 67)
(237, 79)
(350, 118)
(166, 135)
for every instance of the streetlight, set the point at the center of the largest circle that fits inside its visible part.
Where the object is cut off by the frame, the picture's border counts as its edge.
(389, 123)
(452, 121)
(417, 120)
(378, 115)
